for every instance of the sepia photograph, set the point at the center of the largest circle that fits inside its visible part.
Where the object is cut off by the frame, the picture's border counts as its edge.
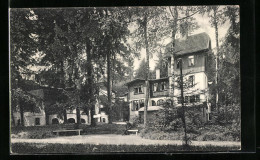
(160, 79)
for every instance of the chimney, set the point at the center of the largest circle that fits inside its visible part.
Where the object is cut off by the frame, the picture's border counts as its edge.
(183, 31)
(158, 76)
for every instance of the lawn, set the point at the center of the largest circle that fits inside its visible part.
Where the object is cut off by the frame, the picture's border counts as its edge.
(39, 132)
(33, 148)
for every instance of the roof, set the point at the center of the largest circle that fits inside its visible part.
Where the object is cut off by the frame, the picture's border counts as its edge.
(193, 43)
(151, 108)
(135, 80)
(141, 80)
(153, 80)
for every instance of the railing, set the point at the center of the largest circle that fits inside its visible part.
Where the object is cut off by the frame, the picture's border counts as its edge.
(160, 93)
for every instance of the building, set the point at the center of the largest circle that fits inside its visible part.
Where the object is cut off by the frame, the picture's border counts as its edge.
(47, 97)
(193, 52)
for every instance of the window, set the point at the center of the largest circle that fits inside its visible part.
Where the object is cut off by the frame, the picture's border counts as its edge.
(189, 99)
(135, 105)
(191, 81)
(155, 87)
(160, 102)
(163, 86)
(192, 99)
(191, 60)
(159, 86)
(55, 121)
(141, 102)
(138, 90)
(37, 121)
(186, 99)
(141, 89)
(169, 101)
(153, 103)
(82, 120)
(197, 98)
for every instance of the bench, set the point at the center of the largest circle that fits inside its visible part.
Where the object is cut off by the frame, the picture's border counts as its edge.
(67, 130)
(133, 130)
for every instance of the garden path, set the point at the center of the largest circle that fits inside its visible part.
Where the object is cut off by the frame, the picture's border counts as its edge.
(117, 140)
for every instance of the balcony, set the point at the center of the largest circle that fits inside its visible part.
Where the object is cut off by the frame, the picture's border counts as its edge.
(164, 93)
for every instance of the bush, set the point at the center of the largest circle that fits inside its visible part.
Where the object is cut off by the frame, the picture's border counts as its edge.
(135, 121)
(39, 132)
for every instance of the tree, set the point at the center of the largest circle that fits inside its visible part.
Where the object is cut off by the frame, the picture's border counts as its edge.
(139, 73)
(229, 65)
(216, 19)
(186, 25)
(23, 45)
(114, 24)
(148, 33)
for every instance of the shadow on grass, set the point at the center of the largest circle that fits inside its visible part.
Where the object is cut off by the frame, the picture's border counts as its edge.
(38, 148)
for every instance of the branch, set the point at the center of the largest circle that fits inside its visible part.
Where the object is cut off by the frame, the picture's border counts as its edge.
(171, 11)
(184, 17)
(188, 15)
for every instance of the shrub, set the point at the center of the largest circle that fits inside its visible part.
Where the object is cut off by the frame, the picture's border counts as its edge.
(135, 121)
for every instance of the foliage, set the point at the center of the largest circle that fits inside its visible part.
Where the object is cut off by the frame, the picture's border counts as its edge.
(27, 101)
(119, 108)
(139, 73)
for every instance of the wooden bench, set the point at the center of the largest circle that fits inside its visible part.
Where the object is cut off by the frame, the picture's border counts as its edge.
(133, 130)
(67, 130)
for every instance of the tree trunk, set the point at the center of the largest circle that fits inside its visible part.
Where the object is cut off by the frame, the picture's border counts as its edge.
(174, 31)
(21, 113)
(47, 118)
(65, 116)
(78, 115)
(217, 58)
(90, 84)
(109, 86)
(182, 104)
(147, 71)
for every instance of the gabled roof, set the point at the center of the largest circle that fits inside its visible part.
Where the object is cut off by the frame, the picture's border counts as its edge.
(193, 43)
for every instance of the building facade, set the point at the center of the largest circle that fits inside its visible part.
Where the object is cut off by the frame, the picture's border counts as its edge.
(192, 52)
(46, 97)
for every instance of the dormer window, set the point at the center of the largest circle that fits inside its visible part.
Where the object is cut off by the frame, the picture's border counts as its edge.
(191, 61)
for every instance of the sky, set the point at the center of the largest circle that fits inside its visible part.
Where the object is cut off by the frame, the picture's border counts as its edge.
(204, 26)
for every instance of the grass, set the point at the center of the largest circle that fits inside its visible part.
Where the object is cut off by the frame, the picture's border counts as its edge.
(33, 148)
(206, 133)
(39, 132)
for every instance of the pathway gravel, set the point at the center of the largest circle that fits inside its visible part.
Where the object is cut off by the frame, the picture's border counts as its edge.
(118, 140)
